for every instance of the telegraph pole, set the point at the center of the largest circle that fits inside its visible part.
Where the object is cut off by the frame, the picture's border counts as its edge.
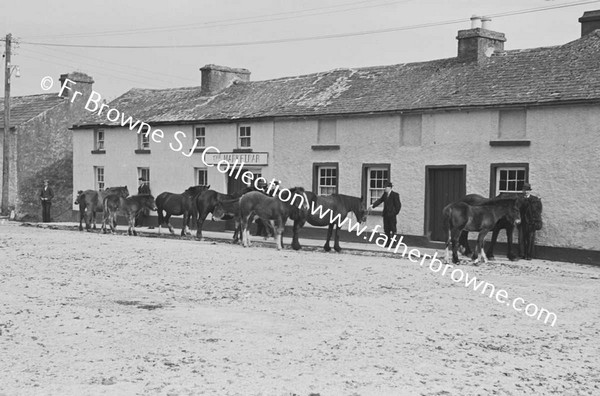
(5, 140)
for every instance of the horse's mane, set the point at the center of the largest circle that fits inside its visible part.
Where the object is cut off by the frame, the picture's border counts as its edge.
(353, 204)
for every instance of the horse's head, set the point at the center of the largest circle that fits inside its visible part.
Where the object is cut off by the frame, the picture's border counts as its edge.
(149, 202)
(123, 191)
(361, 212)
(299, 192)
(79, 192)
(514, 212)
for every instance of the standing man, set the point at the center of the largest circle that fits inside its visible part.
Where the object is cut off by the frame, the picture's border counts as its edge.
(391, 208)
(46, 195)
(144, 188)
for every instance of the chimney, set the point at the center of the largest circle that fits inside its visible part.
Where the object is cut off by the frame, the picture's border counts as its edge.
(590, 21)
(216, 78)
(479, 43)
(83, 84)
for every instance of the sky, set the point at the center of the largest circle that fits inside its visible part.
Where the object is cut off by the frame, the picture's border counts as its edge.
(210, 24)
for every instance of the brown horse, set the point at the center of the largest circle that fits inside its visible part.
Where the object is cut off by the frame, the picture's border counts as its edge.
(130, 207)
(331, 211)
(91, 201)
(272, 210)
(459, 216)
(530, 211)
(176, 205)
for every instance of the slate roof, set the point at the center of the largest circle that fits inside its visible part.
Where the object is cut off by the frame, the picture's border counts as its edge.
(560, 74)
(24, 108)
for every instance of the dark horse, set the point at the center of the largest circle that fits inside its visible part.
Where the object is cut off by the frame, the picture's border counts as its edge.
(331, 210)
(530, 211)
(130, 207)
(206, 203)
(459, 216)
(177, 205)
(91, 201)
(272, 210)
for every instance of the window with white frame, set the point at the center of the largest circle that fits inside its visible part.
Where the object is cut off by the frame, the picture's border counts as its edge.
(99, 177)
(376, 178)
(144, 139)
(99, 139)
(244, 137)
(201, 177)
(510, 179)
(327, 179)
(200, 136)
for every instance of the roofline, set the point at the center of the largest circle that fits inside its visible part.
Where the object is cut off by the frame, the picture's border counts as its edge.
(589, 102)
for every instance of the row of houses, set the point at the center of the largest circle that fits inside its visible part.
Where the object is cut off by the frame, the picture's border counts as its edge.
(485, 121)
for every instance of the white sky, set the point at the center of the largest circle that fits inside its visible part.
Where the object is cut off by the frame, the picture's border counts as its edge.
(117, 70)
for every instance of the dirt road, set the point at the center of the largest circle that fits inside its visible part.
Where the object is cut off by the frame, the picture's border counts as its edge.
(82, 313)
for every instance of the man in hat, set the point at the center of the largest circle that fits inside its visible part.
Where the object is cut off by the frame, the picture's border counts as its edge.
(526, 190)
(391, 208)
(142, 219)
(46, 195)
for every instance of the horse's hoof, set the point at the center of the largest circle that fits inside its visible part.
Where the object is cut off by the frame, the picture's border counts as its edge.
(327, 248)
(337, 249)
(296, 246)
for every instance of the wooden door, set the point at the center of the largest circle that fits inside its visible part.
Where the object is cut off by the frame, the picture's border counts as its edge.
(443, 185)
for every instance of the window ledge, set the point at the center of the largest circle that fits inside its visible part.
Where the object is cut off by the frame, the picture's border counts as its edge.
(320, 147)
(242, 150)
(506, 143)
(98, 151)
(142, 151)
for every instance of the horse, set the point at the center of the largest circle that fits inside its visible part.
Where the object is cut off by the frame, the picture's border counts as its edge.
(91, 201)
(206, 203)
(177, 205)
(530, 217)
(270, 209)
(459, 216)
(331, 211)
(229, 208)
(129, 207)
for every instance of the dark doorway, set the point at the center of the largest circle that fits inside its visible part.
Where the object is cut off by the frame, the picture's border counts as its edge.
(443, 185)
(236, 184)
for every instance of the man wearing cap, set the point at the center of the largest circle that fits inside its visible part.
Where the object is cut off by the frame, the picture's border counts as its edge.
(526, 190)
(46, 195)
(144, 187)
(391, 208)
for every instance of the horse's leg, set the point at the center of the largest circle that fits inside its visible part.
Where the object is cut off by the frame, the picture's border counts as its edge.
(199, 223)
(184, 220)
(490, 252)
(455, 234)
(479, 247)
(329, 232)
(186, 216)
(509, 241)
(278, 231)
(463, 241)
(94, 219)
(336, 244)
(295, 242)
(244, 227)
(132, 224)
(168, 222)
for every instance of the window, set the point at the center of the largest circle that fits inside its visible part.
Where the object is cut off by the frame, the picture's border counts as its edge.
(143, 173)
(512, 124)
(200, 136)
(508, 178)
(325, 179)
(99, 139)
(374, 178)
(327, 132)
(410, 130)
(99, 177)
(201, 177)
(244, 137)
(144, 139)
(256, 174)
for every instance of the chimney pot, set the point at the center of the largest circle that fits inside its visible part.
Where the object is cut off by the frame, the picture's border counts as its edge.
(485, 23)
(475, 21)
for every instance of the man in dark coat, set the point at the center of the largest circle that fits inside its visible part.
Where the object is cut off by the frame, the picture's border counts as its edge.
(144, 215)
(46, 195)
(391, 208)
